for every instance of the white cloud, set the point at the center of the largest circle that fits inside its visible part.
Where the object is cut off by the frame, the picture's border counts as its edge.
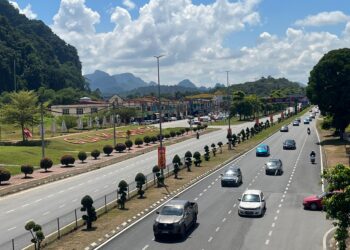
(129, 4)
(192, 39)
(27, 11)
(324, 18)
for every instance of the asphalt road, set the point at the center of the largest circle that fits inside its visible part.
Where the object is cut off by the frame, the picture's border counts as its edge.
(286, 225)
(45, 203)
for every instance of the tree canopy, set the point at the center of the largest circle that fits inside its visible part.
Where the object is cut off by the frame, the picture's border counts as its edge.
(329, 87)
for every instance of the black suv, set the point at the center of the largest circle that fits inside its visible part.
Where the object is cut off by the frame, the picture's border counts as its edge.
(232, 177)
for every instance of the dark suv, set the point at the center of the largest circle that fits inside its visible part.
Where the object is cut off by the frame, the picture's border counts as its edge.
(232, 177)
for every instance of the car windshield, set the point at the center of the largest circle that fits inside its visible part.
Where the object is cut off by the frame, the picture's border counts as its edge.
(251, 198)
(272, 163)
(320, 196)
(261, 148)
(231, 173)
(289, 141)
(170, 210)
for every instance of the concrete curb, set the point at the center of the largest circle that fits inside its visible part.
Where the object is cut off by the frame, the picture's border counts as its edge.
(325, 237)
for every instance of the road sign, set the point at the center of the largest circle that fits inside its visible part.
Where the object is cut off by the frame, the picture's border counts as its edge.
(161, 158)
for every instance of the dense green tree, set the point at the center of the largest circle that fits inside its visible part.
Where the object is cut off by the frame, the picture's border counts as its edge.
(22, 110)
(337, 206)
(329, 87)
(69, 120)
(82, 156)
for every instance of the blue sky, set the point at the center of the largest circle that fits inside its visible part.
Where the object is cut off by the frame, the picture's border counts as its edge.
(200, 38)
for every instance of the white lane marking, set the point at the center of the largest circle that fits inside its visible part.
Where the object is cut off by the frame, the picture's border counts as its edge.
(60, 192)
(280, 205)
(46, 213)
(285, 192)
(209, 186)
(38, 200)
(195, 199)
(321, 158)
(278, 211)
(267, 242)
(275, 218)
(145, 247)
(210, 239)
(217, 229)
(224, 219)
(216, 179)
(282, 200)
(212, 183)
(229, 212)
(96, 191)
(10, 211)
(273, 224)
(61, 206)
(205, 190)
(50, 195)
(270, 233)
(200, 194)
(74, 200)
(11, 228)
(283, 196)
(25, 205)
(234, 205)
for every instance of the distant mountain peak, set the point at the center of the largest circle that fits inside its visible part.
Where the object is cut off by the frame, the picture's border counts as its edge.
(187, 84)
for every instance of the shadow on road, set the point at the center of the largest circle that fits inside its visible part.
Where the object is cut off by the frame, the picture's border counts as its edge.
(173, 239)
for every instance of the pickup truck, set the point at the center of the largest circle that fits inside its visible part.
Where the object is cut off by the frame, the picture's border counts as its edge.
(175, 218)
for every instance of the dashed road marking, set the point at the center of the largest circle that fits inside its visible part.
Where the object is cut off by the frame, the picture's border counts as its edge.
(270, 233)
(145, 247)
(10, 211)
(229, 212)
(234, 205)
(217, 229)
(273, 224)
(61, 206)
(276, 217)
(210, 239)
(38, 200)
(11, 228)
(278, 211)
(267, 242)
(195, 199)
(46, 213)
(25, 205)
(205, 190)
(200, 194)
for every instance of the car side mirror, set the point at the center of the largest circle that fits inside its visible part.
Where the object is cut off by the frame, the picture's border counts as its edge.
(239, 199)
(157, 212)
(262, 200)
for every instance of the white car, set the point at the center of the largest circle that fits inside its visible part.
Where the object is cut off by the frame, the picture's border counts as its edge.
(252, 203)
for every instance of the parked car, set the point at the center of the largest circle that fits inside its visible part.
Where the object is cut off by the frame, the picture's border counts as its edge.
(295, 123)
(175, 218)
(289, 144)
(298, 119)
(284, 129)
(314, 202)
(135, 123)
(274, 166)
(262, 150)
(173, 118)
(306, 121)
(252, 203)
(232, 177)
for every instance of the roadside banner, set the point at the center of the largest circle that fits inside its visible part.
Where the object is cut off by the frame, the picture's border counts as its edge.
(27, 133)
(161, 158)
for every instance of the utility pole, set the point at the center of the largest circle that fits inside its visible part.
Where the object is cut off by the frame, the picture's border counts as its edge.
(114, 135)
(160, 113)
(42, 130)
(229, 132)
(14, 75)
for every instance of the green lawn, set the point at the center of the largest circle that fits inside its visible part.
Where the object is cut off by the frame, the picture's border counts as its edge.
(233, 121)
(57, 147)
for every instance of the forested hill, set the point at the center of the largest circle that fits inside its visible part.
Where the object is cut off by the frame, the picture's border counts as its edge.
(270, 86)
(41, 57)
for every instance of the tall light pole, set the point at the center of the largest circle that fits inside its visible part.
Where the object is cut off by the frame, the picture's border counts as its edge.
(228, 109)
(42, 130)
(114, 134)
(160, 112)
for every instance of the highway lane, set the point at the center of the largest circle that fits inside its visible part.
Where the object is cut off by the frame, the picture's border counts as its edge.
(48, 202)
(285, 225)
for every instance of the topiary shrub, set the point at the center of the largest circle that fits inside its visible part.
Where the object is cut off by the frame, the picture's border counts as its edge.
(147, 140)
(5, 175)
(177, 163)
(67, 160)
(213, 148)
(172, 134)
(82, 156)
(95, 153)
(27, 169)
(160, 177)
(154, 139)
(220, 146)
(128, 144)
(206, 154)
(167, 136)
(122, 189)
(120, 147)
(187, 130)
(138, 142)
(182, 131)
(178, 133)
(188, 160)
(108, 149)
(140, 180)
(90, 215)
(46, 163)
(36, 232)
(197, 157)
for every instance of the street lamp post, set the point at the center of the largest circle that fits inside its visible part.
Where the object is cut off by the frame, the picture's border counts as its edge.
(228, 110)
(114, 134)
(160, 112)
(42, 130)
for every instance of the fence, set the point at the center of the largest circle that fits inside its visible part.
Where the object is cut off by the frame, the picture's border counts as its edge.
(54, 229)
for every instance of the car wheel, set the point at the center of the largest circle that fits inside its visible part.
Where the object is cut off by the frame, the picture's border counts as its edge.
(266, 172)
(157, 236)
(183, 232)
(195, 219)
(313, 206)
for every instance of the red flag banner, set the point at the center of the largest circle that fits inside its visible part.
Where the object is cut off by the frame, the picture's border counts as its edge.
(27, 133)
(161, 158)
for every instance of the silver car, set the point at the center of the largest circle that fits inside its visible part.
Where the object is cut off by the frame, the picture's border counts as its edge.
(232, 177)
(274, 166)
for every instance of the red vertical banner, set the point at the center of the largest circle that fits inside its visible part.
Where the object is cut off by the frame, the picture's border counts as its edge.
(161, 158)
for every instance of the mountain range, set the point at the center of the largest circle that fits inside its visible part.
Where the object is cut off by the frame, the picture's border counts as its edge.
(128, 83)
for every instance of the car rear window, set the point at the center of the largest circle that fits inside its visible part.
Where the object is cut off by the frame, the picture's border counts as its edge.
(251, 198)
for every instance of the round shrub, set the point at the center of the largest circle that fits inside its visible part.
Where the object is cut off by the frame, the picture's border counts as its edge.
(154, 139)
(178, 133)
(107, 149)
(82, 156)
(67, 160)
(128, 144)
(27, 169)
(172, 133)
(120, 147)
(187, 130)
(147, 139)
(95, 153)
(5, 175)
(138, 142)
(46, 163)
(182, 131)
(167, 136)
